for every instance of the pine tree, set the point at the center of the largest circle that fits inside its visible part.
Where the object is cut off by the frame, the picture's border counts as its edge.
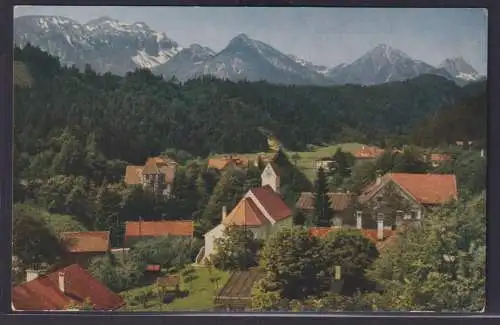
(323, 212)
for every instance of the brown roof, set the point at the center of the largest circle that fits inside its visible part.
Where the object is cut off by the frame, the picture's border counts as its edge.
(338, 201)
(424, 188)
(272, 202)
(158, 228)
(368, 152)
(439, 157)
(153, 165)
(222, 162)
(246, 213)
(371, 234)
(86, 241)
(43, 293)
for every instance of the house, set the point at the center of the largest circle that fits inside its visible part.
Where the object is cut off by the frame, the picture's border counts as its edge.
(261, 210)
(136, 230)
(342, 205)
(221, 163)
(157, 174)
(367, 153)
(58, 290)
(325, 163)
(436, 159)
(403, 198)
(83, 246)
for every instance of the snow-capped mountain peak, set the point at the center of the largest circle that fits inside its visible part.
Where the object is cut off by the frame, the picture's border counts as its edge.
(459, 68)
(105, 43)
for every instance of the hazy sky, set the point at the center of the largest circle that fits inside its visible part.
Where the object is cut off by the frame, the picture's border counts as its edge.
(328, 36)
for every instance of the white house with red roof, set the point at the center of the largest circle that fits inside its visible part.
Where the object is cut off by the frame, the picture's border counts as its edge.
(262, 210)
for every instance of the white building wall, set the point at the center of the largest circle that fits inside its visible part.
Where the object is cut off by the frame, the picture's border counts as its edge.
(210, 238)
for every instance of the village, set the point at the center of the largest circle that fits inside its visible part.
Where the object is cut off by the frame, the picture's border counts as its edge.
(225, 271)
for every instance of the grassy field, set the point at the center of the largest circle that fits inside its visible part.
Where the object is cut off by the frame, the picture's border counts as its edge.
(200, 297)
(306, 159)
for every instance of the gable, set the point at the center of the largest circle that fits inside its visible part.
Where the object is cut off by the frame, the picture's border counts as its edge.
(339, 202)
(246, 213)
(426, 189)
(270, 203)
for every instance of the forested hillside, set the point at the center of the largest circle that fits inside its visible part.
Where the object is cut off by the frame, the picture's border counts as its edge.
(75, 133)
(129, 118)
(463, 121)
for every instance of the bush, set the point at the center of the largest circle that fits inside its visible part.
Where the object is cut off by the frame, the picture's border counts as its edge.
(167, 251)
(236, 250)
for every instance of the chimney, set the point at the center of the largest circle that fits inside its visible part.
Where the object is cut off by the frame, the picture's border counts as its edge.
(359, 219)
(482, 153)
(61, 281)
(338, 274)
(380, 228)
(224, 212)
(379, 179)
(31, 275)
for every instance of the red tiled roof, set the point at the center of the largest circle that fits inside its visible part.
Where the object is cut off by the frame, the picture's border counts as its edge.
(367, 233)
(338, 201)
(153, 268)
(246, 213)
(368, 152)
(428, 188)
(43, 293)
(272, 202)
(86, 241)
(425, 188)
(158, 228)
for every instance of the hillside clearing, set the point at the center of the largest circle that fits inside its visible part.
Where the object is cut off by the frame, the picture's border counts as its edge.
(305, 159)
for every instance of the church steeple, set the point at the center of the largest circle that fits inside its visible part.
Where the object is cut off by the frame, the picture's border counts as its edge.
(271, 177)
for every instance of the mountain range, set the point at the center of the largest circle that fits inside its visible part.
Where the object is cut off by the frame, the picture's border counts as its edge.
(109, 45)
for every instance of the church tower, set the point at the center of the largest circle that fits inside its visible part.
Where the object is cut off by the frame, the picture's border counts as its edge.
(270, 176)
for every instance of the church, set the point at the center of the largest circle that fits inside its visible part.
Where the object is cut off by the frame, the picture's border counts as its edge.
(261, 210)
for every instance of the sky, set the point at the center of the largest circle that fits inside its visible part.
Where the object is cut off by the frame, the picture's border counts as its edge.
(326, 36)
